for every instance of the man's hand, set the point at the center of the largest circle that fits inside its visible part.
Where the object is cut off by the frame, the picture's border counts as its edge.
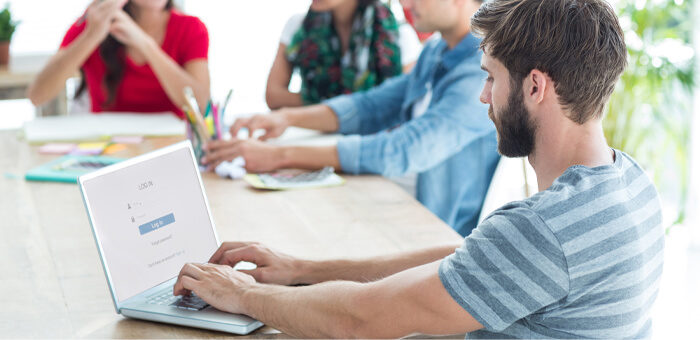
(220, 286)
(259, 156)
(272, 267)
(274, 125)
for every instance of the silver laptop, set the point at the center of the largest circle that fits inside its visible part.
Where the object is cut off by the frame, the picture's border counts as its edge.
(150, 216)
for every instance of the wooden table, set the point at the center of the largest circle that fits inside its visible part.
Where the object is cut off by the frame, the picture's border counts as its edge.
(19, 73)
(52, 281)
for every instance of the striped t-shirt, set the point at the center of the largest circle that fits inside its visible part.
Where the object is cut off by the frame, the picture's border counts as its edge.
(581, 259)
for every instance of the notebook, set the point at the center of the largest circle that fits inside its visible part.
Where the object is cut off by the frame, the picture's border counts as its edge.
(68, 168)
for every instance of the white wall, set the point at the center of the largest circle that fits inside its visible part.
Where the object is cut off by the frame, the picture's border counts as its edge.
(43, 23)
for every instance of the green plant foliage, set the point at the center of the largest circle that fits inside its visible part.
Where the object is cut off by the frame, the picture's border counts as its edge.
(649, 113)
(7, 26)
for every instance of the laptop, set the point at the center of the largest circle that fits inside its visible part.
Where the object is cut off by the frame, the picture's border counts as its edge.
(149, 216)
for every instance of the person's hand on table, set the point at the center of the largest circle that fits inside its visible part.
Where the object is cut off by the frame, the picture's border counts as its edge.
(272, 266)
(219, 285)
(259, 156)
(274, 125)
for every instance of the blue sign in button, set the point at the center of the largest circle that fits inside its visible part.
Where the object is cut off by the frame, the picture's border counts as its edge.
(156, 224)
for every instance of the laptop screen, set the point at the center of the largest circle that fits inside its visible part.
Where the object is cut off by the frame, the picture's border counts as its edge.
(150, 218)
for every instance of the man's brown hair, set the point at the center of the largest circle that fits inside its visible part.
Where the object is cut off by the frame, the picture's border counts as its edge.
(577, 43)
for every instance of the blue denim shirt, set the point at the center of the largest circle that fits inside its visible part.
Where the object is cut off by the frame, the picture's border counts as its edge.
(452, 146)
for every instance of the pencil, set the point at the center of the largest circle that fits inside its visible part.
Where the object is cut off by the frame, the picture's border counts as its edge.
(192, 106)
(217, 122)
(228, 97)
(192, 123)
(207, 112)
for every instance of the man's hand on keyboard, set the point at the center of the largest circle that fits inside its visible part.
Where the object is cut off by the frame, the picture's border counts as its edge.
(220, 286)
(272, 266)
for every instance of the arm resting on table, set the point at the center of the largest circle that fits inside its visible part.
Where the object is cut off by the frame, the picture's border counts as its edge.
(413, 301)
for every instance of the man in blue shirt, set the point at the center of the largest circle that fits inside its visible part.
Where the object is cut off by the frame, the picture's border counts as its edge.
(428, 122)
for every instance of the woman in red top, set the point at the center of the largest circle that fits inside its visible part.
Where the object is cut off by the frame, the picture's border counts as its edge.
(134, 55)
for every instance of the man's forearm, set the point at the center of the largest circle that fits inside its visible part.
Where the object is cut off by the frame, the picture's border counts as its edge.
(316, 117)
(411, 301)
(319, 311)
(371, 269)
(309, 157)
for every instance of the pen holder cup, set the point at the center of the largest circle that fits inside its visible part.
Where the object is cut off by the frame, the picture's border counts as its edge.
(197, 143)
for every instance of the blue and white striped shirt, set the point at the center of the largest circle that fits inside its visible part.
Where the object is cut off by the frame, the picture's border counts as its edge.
(582, 259)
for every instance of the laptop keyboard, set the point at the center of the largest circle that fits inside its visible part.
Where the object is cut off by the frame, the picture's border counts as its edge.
(191, 302)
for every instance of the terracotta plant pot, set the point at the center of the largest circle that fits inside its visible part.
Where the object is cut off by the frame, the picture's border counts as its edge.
(4, 52)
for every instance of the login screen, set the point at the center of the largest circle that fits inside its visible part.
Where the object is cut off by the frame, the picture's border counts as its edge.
(151, 219)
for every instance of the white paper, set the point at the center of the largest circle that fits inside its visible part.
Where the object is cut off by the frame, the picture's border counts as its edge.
(102, 126)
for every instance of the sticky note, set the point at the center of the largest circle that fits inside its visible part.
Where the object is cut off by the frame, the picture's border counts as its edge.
(87, 149)
(57, 148)
(114, 148)
(93, 145)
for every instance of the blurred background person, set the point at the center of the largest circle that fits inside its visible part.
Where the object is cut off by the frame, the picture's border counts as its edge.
(133, 55)
(339, 47)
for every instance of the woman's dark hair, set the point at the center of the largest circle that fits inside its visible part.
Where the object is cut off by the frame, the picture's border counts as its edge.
(113, 55)
(365, 3)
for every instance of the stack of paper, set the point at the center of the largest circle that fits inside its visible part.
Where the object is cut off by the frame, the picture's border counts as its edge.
(102, 126)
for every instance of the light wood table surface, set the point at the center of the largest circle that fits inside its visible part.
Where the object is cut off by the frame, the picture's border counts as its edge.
(52, 281)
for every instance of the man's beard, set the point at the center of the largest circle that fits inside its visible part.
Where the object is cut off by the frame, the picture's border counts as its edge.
(514, 127)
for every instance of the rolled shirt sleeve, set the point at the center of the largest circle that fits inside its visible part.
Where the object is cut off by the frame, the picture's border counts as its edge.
(371, 111)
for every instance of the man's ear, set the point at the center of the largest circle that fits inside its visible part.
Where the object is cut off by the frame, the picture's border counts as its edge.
(535, 85)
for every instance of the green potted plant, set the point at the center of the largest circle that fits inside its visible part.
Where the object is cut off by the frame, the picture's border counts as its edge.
(649, 114)
(7, 28)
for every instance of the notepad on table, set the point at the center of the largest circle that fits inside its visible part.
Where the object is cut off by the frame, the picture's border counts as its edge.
(323, 178)
(68, 168)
